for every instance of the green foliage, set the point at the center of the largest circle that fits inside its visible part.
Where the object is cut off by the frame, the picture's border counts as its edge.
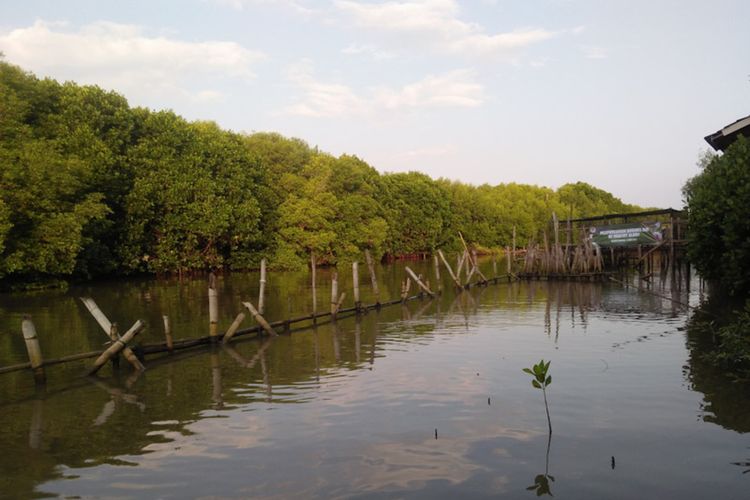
(718, 227)
(732, 341)
(539, 371)
(90, 186)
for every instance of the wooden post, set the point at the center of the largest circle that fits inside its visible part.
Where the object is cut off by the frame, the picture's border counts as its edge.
(260, 319)
(168, 333)
(373, 278)
(514, 241)
(114, 334)
(107, 327)
(33, 349)
(116, 346)
(419, 282)
(262, 291)
(234, 327)
(314, 291)
(436, 264)
(334, 294)
(494, 264)
(213, 306)
(405, 286)
(508, 259)
(448, 267)
(355, 284)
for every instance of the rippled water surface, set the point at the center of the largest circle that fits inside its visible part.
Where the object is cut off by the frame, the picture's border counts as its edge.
(422, 400)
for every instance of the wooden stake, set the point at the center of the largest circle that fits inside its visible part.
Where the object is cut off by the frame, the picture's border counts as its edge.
(514, 241)
(448, 267)
(373, 277)
(106, 325)
(260, 319)
(355, 284)
(334, 293)
(116, 346)
(234, 327)
(314, 292)
(262, 291)
(33, 349)
(114, 334)
(213, 306)
(439, 282)
(168, 333)
(419, 282)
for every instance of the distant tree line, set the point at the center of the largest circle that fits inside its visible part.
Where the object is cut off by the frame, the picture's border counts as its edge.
(90, 186)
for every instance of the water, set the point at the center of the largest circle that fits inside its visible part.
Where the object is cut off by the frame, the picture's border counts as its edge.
(425, 400)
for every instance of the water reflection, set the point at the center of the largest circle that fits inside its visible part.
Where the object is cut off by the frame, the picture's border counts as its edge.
(349, 408)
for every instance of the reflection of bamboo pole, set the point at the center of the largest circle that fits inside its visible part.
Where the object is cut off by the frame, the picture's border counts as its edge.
(213, 306)
(260, 319)
(216, 396)
(117, 346)
(33, 349)
(373, 277)
(37, 424)
(262, 290)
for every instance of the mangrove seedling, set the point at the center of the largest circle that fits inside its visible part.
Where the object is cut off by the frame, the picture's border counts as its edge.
(541, 380)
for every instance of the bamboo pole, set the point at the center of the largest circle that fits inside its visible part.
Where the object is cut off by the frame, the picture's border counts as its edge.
(494, 264)
(476, 265)
(314, 291)
(448, 267)
(106, 325)
(436, 265)
(508, 259)
(116, 346)
(213, 306)
(114, 334)
(419, 282)
(234, 327)
(168, 333)
(262, 291)
(260, 319)
(514, 241)
(373, 277)
(355, 284)
(334, 293)
(33, 349)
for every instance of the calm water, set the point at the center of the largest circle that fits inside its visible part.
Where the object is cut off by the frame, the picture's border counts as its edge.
(352, 409)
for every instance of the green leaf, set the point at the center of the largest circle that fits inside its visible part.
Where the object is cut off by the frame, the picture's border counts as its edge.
(536, 384)
(528, 371)
(549, 380)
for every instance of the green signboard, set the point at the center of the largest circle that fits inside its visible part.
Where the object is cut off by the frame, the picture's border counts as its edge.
(624, 235)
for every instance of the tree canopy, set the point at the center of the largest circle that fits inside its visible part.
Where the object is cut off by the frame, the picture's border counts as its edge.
(719, 228)
(90, 186)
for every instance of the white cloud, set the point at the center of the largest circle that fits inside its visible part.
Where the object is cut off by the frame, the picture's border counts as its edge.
(457, 88)
(369, 50)
(436, 22)
(294, 5)
(591, 52)
(125, 58)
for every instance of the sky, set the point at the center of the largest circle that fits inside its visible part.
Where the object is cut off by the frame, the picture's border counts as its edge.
(616, 93)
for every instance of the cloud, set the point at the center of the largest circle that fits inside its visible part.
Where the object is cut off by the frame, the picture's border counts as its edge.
(457, 88)
(591, 52)
(436, 22)
(369, 50)
(294, 5)
(125, 58)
